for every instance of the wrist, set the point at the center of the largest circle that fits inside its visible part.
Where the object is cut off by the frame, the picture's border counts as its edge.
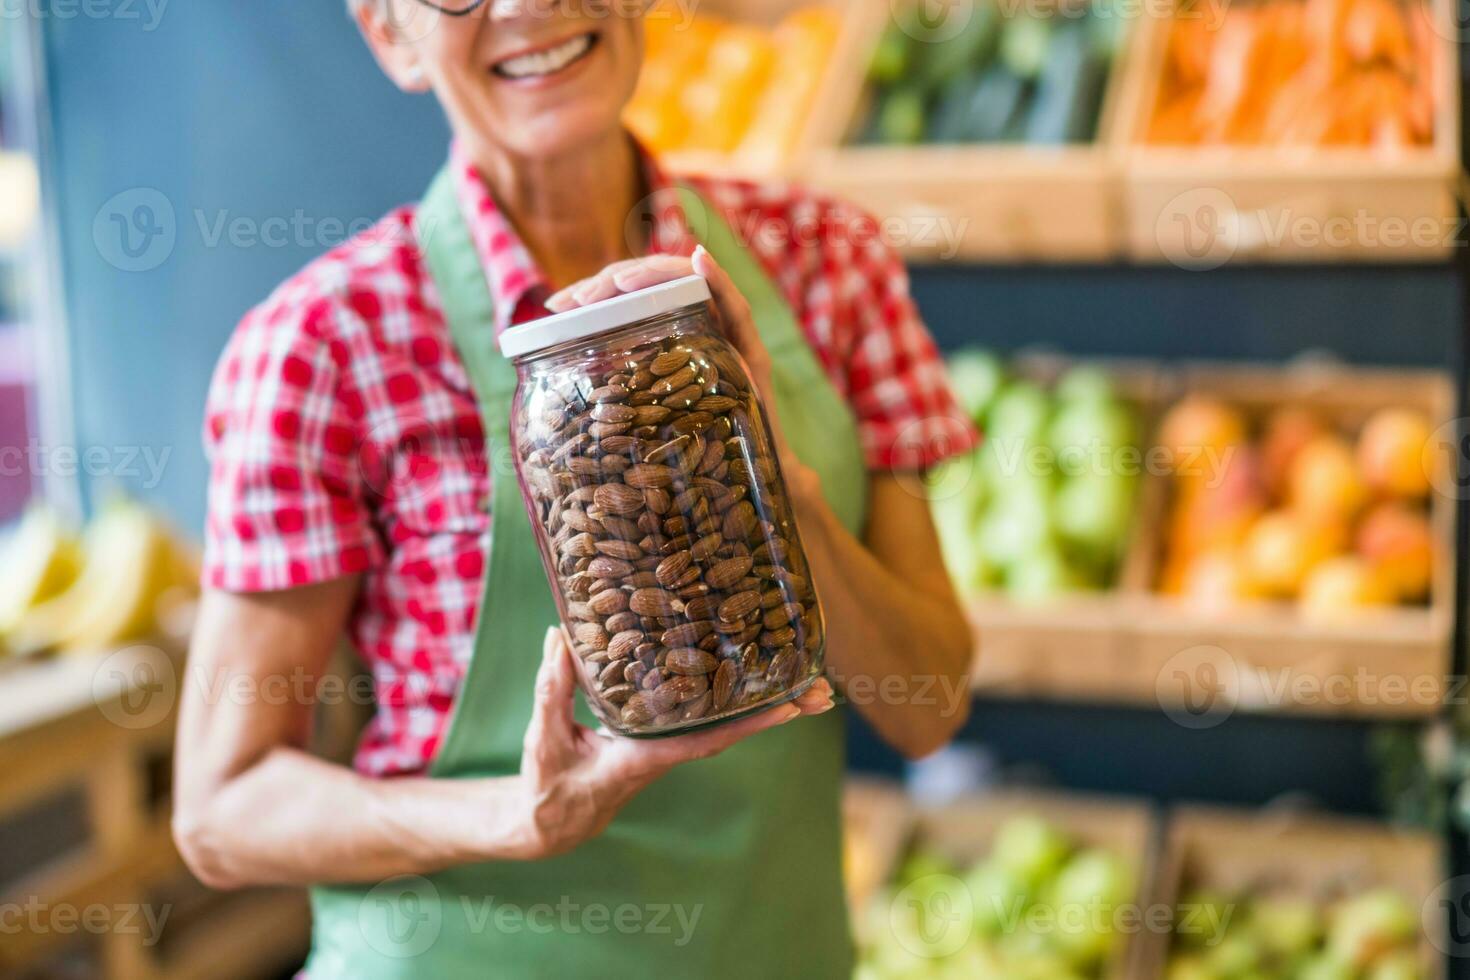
(501, 822)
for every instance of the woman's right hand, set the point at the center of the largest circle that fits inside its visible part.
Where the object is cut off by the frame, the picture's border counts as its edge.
(577, 779)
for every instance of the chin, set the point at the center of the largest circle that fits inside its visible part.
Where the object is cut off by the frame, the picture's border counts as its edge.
(552, 134)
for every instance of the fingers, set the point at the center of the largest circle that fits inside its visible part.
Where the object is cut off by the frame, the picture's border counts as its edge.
(620, 277)
(552, 710)
(734, 309)
(664, 753)
(816, 699)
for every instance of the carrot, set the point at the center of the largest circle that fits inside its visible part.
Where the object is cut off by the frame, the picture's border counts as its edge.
(1374, 30)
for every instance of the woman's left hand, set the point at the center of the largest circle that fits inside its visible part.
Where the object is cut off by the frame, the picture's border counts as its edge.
(734, 321)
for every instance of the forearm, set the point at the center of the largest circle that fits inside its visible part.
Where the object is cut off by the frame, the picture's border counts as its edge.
(899, 652)
(292, 819)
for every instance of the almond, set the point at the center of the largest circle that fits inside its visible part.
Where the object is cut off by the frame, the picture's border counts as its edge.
(618, 498)
(609, 568)
(615, 548)
(608, 601)
(738, 606)
(685, 687)
(668, 362)
(689, 660)
(646, 475)
(687, 634)
(671, 568)
(654, 602)
(726, 573)
(723, 686)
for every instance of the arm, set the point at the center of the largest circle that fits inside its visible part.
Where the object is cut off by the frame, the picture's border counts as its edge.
(253, 807)
(898, 643)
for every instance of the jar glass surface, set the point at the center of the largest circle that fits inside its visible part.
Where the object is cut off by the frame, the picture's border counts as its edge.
(652, 481)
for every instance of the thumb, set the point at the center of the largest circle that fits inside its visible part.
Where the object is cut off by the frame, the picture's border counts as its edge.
(553, 707)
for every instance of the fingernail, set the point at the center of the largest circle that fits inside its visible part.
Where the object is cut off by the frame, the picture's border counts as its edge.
(790, 711)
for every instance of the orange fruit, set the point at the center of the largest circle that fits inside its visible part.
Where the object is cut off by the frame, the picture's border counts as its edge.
(1397, 542)
(1391, 453)
(1324, 479)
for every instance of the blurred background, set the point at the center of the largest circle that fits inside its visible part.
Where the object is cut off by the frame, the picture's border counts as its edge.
(1198, 271)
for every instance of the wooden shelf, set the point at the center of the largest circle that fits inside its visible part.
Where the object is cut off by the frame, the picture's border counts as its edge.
(1132, 646)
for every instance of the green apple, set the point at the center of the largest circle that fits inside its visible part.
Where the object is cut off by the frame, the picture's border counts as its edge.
(1013, 527)
(1085, 383)
(1031, 849)
(1370, 924)
(1088, 437)
(1324, 966)
(1019, 413)
(1189, 966)
(1237, 953)
(1089, 894)
(1402, 965)
(1041, 575)
(1093, 513)
(976, 376)
(1287, 926)
(998, 895)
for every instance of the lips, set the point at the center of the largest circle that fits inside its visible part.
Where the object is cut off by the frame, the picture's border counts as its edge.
(547, 61)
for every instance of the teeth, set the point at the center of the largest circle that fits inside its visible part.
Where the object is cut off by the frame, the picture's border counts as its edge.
(545, 62)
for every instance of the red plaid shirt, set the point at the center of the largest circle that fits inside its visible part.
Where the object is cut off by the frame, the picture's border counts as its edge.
(344, 436)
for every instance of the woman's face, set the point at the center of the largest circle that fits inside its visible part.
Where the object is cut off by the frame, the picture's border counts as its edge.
(535, 78)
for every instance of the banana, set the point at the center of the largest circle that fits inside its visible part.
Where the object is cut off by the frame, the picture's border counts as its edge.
(39, 561)
(131, 560)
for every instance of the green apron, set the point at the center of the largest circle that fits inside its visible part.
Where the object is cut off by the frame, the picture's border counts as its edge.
(727, 867)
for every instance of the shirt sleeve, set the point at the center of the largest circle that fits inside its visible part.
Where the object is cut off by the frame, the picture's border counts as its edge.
(287, 503)
(852, 291)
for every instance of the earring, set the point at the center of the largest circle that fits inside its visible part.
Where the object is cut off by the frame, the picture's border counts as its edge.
(414, 74)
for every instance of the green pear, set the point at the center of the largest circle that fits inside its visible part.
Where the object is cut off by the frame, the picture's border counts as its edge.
(1031, 849)
(1085, 383)
(976, 377)
(1369, 925)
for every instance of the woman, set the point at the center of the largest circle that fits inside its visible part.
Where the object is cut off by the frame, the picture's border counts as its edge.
(351, 491)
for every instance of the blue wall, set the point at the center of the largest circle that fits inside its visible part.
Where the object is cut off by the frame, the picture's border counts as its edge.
(258, 111)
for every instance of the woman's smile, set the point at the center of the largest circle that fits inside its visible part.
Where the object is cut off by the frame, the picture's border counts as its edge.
(548, 63)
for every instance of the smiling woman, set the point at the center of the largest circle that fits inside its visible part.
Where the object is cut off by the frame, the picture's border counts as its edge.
(349, 428)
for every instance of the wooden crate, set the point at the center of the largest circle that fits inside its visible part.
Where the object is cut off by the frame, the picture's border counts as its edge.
(1202, 206)
(1073, 646)
(986, 202)
(964, 832)
(1385, 663)
(101, 726)
(855, 15)
(1232, 851)
(877, 822)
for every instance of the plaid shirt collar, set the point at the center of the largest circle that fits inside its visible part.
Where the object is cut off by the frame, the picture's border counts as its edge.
(518, 287)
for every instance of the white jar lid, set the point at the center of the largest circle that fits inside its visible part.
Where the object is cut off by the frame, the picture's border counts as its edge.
(604, 316)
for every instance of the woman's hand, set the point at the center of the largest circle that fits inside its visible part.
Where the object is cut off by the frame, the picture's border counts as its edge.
(577, 779)
(733, 318)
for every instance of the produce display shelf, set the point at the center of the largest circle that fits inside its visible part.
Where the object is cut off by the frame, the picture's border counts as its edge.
(1133, 646)
(1118, 197)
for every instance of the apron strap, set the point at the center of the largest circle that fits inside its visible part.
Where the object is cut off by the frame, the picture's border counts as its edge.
(454, 264)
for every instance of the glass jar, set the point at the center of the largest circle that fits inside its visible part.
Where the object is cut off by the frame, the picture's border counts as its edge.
(652, 481)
